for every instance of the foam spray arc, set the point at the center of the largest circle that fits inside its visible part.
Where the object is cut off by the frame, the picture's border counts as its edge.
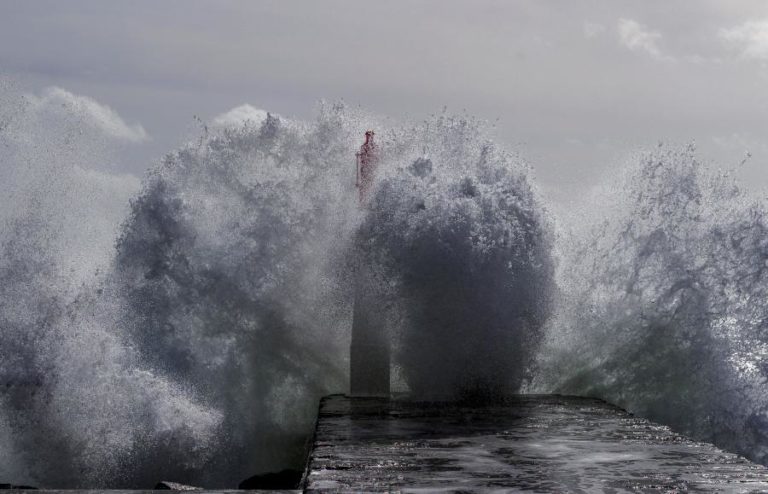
(199, 350)
(198, 347)
(458, 236)
(662, 307)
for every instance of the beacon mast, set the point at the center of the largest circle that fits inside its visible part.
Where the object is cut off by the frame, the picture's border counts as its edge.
(369, 350)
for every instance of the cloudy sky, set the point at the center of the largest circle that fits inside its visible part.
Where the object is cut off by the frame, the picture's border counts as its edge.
(575, 85)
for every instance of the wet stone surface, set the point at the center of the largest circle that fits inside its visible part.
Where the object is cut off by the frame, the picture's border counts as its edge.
(529, 443)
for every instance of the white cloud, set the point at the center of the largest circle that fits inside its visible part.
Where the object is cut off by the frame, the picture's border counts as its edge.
(751, 38)
(57, 100)
(593, 29)
(239, 115)
(639, 38)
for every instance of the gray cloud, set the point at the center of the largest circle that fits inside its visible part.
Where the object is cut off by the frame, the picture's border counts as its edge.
(566, 93)
(92, 113)
(751, 38)
(639, 38)
(239, 115)
(593, 29)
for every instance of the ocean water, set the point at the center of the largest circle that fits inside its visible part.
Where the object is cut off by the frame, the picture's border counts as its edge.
(185, 327)
(661, 310)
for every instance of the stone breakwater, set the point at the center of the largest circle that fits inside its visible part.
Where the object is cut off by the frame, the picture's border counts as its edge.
(547, 443)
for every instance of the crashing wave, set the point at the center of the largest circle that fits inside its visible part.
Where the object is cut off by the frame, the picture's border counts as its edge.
(662, 307)
(198, 347)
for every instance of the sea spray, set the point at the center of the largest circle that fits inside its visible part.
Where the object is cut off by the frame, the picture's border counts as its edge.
(76, 399)
(238, 264)
(229, 268)
(197, 347)
(662, 307)
(462, 242)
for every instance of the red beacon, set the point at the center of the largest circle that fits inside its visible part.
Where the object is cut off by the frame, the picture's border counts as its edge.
(366, 166)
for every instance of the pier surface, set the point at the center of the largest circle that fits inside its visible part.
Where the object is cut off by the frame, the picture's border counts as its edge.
(541, 443)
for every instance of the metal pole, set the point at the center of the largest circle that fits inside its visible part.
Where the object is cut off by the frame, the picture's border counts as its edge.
(369, 350)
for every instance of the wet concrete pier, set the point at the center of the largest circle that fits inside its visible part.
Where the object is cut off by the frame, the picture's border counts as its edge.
(526, 443)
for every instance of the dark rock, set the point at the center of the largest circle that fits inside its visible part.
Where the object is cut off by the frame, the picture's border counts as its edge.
(164, 485)
(17, 487)
(285, 479)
